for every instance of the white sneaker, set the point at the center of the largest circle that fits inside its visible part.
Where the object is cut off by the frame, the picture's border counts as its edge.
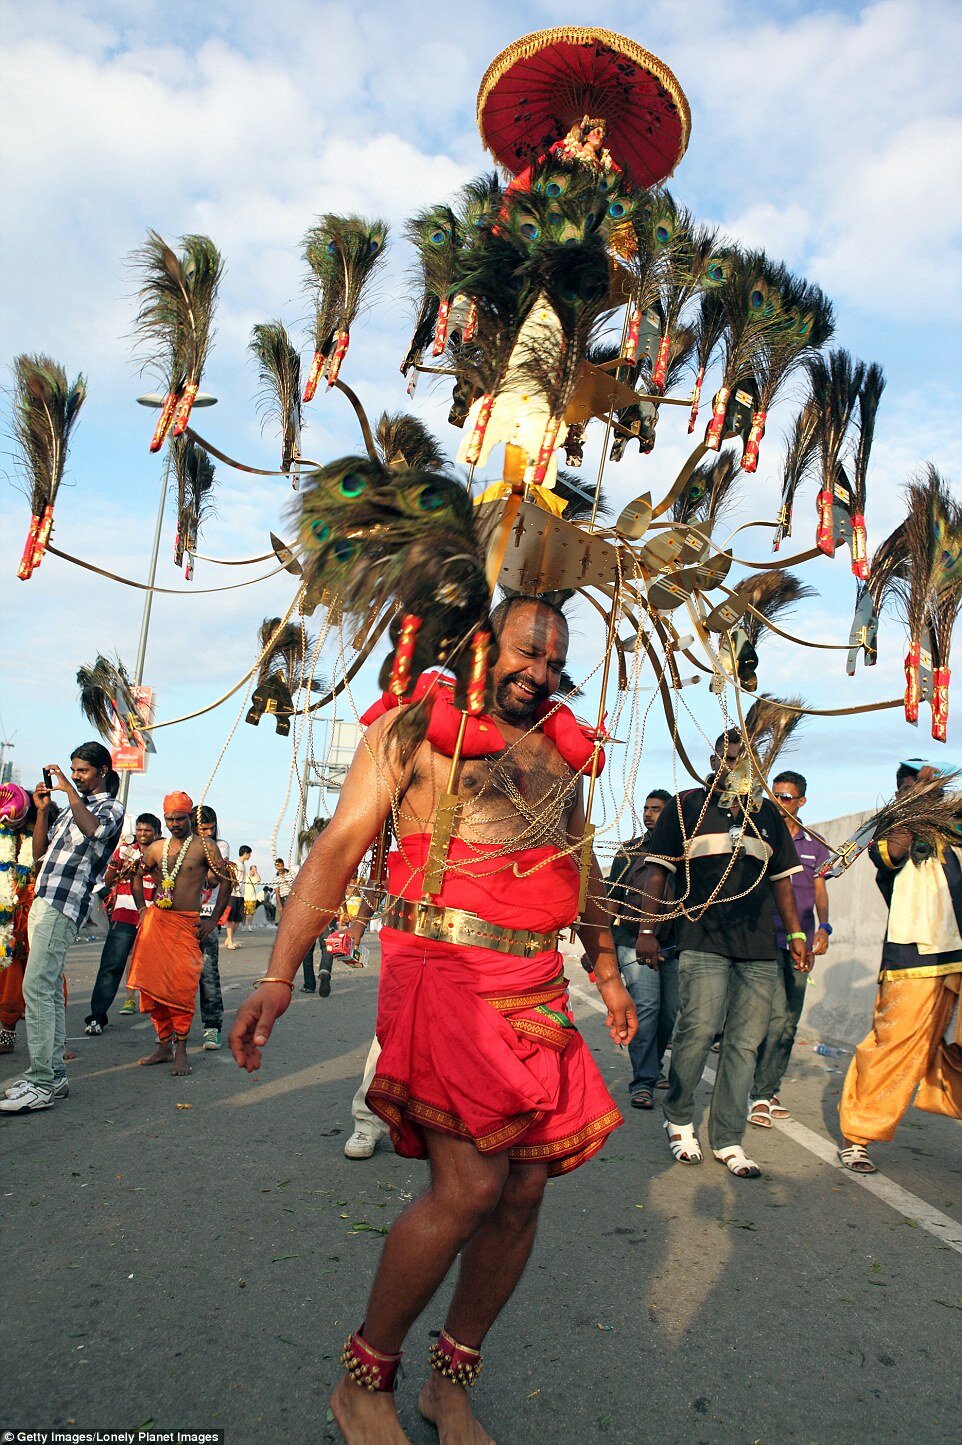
(24, 1098)
(362, 1142)
(61, 1087)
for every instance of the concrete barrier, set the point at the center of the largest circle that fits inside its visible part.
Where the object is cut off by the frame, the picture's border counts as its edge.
(844, 981)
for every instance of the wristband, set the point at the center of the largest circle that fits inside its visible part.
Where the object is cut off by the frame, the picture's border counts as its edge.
(790, 936)
(826, 928)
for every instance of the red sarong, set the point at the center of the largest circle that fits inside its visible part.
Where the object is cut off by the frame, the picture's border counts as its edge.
(167, 962)
(479, 1044)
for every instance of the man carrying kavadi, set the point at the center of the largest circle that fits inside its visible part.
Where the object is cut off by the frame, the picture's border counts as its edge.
(168, 959)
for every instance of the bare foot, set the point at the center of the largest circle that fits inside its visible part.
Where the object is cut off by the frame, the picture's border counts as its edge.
(448, 1407)
(161, 1055)
(180, 1066)
(366, 1417)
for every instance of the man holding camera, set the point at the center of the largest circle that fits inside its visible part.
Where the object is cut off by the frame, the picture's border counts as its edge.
(74, 856)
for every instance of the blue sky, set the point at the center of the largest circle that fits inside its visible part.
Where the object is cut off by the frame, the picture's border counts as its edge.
(830, 134)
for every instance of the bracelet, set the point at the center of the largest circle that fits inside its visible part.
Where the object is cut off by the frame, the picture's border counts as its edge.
(788, 936)
(826, 928)
(271, 978)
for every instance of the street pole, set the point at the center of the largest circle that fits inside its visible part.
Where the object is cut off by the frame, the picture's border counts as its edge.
(155, 402)
(145, 619)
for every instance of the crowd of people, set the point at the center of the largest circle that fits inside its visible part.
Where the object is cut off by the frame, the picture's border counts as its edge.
(702, 937)
(164, 915)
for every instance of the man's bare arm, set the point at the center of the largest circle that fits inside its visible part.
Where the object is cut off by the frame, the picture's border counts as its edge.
(366, 796)
(594, 931)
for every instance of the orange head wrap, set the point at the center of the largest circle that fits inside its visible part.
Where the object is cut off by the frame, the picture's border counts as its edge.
(178, 803)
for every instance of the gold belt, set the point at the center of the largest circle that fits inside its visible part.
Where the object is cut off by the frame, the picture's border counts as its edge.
(455, 925)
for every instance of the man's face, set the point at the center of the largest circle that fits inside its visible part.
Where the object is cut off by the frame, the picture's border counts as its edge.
(144, 835)
(722, 763)
(206, 830)
(178, 825)
(789, 797)
(86, 778)
(245, 857)
(532, 647)
(651, 812)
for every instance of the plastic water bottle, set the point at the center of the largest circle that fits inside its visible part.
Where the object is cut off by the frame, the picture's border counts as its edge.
(828, 1052)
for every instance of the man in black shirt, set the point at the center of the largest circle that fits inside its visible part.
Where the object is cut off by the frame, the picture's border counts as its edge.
(729, 863)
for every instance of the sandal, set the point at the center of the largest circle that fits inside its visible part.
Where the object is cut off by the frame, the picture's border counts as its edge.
(662, 1081)
(737, 1162)
(683, 1143)
(760, 1114)
(855, 1157)
(642, 1100)
(778, 1108)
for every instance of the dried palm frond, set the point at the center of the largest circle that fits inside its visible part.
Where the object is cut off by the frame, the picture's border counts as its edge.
(800, 455)
(194, 476)
(175, 323)
(805, 323)
(45, 413)
(404, 442)
(279, 373)
(769, 723)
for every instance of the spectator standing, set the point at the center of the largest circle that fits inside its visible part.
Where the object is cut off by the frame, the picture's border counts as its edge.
(283, 880)
(74, 852)
(236, 914)
(728, 863)
(124, 919)
(654, 990)
(211, 998)
(253, 893)
(788, 997)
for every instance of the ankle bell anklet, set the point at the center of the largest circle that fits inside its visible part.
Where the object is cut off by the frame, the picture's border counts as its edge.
(455, 1362)
(368, 1368)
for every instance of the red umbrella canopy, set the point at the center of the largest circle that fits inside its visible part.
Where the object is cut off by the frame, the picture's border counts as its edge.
(536, 89)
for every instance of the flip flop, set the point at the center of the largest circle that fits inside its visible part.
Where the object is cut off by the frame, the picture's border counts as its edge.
(778, 1108)
(642, 1100)
(760, 1114)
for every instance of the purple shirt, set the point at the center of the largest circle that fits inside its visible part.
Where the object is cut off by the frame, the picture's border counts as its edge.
(811, 854)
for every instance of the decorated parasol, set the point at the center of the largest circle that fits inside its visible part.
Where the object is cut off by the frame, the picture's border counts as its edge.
(536, 89)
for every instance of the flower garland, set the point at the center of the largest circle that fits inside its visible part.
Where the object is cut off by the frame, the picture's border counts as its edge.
(16, 859)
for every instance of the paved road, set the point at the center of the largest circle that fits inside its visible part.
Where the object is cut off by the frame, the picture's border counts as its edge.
(192, 1252)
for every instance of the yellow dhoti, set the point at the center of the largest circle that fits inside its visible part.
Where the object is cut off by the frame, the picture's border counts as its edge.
(905, 1050)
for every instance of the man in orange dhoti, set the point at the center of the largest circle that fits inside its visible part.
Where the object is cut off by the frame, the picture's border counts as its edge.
(167, 960)
(912, 1044)
(482, 1070)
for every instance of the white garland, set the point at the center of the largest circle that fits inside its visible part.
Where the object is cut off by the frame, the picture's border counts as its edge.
(16, 858)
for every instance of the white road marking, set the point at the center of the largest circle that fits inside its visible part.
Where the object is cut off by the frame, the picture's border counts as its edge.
(941, 1226)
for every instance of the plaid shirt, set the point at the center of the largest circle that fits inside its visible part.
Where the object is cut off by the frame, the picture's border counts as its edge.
(73, 864)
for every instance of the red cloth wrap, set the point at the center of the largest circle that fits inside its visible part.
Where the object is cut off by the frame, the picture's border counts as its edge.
(482, 738)
(167, 962)
(467, 1048)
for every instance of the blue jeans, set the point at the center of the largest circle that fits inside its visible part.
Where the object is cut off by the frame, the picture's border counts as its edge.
(732, 996)
(50, 934)
(113, 961)
(211, 999)
(788, 1000)
(654, 993)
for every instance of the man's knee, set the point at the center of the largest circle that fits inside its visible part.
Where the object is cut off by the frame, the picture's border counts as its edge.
(469, 1184)
(524, 1189)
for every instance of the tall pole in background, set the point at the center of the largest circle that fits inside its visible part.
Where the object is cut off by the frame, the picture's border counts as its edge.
(154, 401)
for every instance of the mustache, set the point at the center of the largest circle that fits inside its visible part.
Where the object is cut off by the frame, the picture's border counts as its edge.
(541, 692)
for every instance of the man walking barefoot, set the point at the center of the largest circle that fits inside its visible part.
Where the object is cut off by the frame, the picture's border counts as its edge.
(482, 1069)
(167, 960)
